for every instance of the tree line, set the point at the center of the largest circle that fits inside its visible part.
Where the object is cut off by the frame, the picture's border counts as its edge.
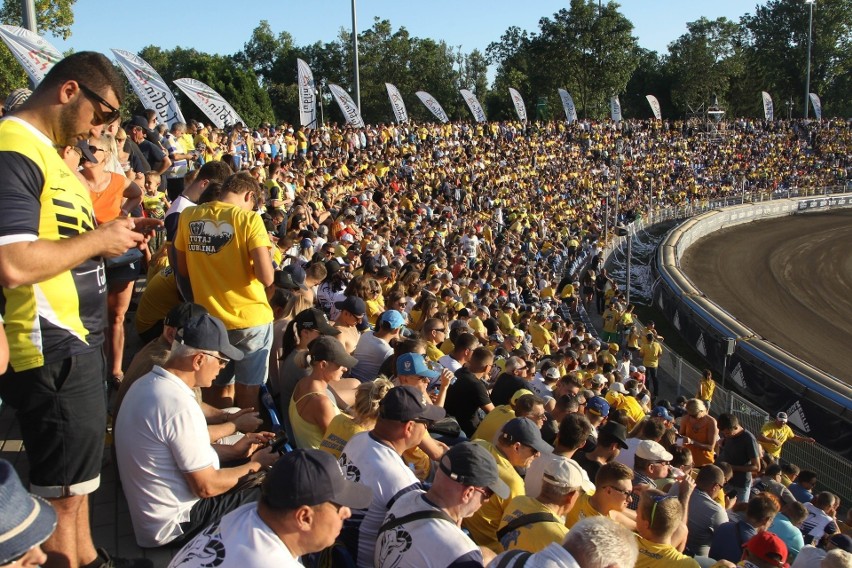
(587, 48)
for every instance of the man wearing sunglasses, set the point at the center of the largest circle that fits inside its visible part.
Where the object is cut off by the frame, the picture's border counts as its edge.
(171, 473)
(465, 479)
(658, 517)
(51, 268)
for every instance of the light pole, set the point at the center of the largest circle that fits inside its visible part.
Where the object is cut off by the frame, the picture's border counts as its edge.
(619, 151)
(624, 231)
(810, 4)
(319, 96)
(355, 58)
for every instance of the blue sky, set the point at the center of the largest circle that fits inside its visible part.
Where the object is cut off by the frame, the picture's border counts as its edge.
(216, 26)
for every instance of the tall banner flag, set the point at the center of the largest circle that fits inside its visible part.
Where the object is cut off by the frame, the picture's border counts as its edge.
(307, 94)
(210, 102)
(817, 106)
(568, 106)
(655, 106)
(35, 54)
(347, 106)
(520, 107)
(473, 105)
(397, 104)
(615, 109)
(768, 108)
(433, 105)
(149, 87)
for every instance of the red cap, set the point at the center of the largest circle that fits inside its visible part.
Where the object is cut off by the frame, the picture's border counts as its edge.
(769, 548)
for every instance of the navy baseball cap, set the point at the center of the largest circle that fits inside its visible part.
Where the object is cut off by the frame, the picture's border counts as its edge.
(598, 405)
(182, 313)
(526, 432)
(662, 412)
(406, 403)
(208, 333)
(352, 304)
(471, 464)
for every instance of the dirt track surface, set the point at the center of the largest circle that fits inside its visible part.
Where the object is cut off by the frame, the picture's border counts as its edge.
(789, 279)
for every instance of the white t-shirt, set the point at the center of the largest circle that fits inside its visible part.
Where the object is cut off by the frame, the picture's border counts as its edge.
(551, 556)
(426, 543)
(628, 456)
(160, 435)
(371, 352)
(367, 460)
(814, 526)
(240, 540)
(449, 363)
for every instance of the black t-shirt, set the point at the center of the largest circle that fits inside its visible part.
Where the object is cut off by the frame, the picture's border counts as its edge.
(591, 466)
(464, 399)
(506, 385)
(739, 450)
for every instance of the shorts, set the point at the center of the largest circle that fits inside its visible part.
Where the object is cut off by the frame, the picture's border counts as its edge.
(61, 409)
(255, 343)
(123, 274)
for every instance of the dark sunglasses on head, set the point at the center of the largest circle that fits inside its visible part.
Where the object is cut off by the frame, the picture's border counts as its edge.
(102, 118)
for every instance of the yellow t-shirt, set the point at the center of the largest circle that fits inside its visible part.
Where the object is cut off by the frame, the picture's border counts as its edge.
(484, 523)
(582, 509)
(626, 404)
(504, 320)
(705, 389)
(217, 239)
(476, 325)
(492, 422)
(340, 430)
(655, 555)
(781, 433)
(534, 536)
(651, 354)
(160, 296)
(432, 352)
(541, 337)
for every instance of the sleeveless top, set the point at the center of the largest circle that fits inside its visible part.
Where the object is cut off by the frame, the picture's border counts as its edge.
(306, 435)
(107, 203)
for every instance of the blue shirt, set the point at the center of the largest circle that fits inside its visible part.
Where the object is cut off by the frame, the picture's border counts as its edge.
(728, 540)
(789, 533)
(801, 494)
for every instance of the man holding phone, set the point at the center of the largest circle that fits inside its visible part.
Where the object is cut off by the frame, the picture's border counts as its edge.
(54, 287)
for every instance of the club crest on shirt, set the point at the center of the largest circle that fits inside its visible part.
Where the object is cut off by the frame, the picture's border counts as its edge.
(209, 236)
(206, 551)
(350, 470)
(392, 546)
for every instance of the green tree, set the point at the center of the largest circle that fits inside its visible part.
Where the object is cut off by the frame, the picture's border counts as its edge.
(704, 61)
(53, 17)
(649, 78)
(778, 50)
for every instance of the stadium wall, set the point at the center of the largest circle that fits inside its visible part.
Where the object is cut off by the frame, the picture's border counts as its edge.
(757, 369)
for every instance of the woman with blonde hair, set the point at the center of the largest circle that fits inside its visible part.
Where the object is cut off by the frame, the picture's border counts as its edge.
(311, 409)
(699, 431)
(363, 416)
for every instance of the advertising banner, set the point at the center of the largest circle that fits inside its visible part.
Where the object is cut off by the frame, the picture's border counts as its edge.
(151, 89)
(35, 54)
(210, 102)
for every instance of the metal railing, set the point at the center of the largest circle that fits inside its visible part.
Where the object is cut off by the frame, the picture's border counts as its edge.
(834, 473)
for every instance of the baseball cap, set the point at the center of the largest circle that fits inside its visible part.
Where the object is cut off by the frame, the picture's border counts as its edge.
(842, 541)
(526, 432)
(652, 451)
(284, 280)
(311, 477)
(406, 403)
(519, 393)
(471, 464)
(208, 333)
(768, 547)
(618, 387)
(325, 348)
(313, 318)
(598, 379)
(615, 430)
(782, 416)
(86, 149)
(27, 520)
(182, 313)
(415, 364)
(564, 472)
(552, 373)
(16, 98)
(661, 412)
(352, 304)
(392, 317)
(297, 273)
(598, 405)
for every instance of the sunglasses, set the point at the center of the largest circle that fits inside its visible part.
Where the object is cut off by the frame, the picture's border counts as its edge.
(657, 500)
(485, 492)
(102, 118)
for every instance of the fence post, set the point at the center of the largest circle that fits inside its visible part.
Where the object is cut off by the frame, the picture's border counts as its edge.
(679, 374)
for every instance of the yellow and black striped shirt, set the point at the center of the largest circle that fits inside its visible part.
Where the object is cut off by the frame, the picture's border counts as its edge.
(41, 198)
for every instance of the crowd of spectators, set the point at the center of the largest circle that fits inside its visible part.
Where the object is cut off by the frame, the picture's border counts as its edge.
(362, 347)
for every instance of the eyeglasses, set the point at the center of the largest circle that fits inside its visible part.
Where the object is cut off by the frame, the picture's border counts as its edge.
(485, 492)
(423, 421)
(336, 506)
(95, 150)
(99, 114)
(657, 500)
(440, 329)
(662, 462)
(627, 494)
(223, 362)
(536, 417)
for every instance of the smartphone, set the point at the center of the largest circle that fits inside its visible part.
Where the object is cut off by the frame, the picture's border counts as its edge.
(731, 494)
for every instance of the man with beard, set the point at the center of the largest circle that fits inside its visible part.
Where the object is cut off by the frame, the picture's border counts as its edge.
(54, 289)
